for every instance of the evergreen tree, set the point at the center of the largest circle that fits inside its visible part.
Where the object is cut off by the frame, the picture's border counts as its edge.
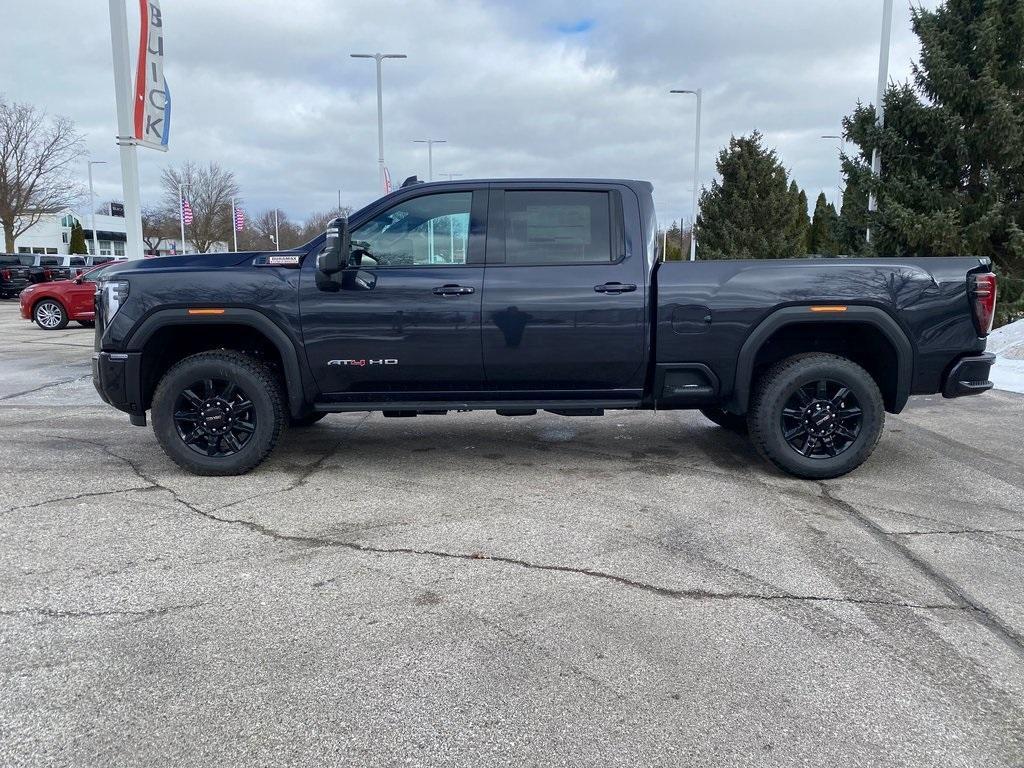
(824, 228)
(753, 212)
(953, 143)
(76, 243)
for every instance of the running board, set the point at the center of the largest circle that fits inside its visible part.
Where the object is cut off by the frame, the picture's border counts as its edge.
(580, 407)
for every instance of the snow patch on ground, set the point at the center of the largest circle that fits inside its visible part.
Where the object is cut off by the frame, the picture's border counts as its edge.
(1008, 344)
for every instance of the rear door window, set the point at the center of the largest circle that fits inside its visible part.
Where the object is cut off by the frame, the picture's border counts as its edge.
(557, 227)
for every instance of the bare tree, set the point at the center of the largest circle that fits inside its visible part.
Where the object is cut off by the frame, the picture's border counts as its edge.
(316, 223)
(37, 157)
(209, 190)
(259, 232)
(157, 226)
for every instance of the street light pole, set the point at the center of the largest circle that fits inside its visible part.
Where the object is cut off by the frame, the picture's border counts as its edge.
(379, 57)
(451, 176)
(92, 208)
(883, 81)
(430, 153)
(277, 232)
(699, 93)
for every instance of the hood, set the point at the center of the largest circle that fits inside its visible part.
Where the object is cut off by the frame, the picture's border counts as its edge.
(187, 261)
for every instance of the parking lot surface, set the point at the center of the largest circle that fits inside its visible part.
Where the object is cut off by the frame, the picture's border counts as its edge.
(637, 589)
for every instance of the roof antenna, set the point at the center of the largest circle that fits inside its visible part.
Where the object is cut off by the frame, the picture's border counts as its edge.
(411, 181)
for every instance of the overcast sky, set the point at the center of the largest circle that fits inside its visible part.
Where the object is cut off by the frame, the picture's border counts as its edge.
(516, 87)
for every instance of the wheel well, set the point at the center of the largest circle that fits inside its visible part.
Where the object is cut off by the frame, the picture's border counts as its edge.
(54, 299)
(172, 343)
(862, 343)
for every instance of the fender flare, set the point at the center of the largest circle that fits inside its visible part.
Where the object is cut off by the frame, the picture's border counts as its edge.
(286, 347)
(861, 315)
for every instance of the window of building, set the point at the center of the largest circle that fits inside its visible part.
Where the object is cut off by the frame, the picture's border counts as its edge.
(555, 227)
(23, 249)
(64, 237)
(105, 248)
(51, 250)
(118, 248)
(68, 221)
(38, 250)
(428, 230)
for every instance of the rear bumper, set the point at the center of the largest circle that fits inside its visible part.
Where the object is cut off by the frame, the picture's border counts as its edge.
(14, 286)
(969, 376)
(116, 378)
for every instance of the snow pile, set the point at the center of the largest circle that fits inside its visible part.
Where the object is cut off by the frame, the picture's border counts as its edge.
(1008, 344)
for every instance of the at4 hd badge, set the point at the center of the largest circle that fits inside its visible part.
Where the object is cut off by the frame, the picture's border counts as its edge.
(362, 363)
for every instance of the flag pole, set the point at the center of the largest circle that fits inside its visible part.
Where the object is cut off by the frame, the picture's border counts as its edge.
(125, 133)
(277, 232)
(181, 214)
(234, 226)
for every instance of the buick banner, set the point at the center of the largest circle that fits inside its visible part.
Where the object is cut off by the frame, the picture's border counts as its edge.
(152, 97)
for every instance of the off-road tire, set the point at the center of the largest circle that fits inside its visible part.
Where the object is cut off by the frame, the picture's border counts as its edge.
(781, 382)
(727, 420)
(50, 315)
(260, 385)
(306, 421)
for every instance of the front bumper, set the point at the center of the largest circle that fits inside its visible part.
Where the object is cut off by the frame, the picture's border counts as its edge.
(116, 376)
(969, 376)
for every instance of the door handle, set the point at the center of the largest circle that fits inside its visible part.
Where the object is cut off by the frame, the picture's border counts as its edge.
(615, 288)
(453, 290)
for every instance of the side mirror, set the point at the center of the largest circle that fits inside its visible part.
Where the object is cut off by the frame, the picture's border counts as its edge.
(78, 280)
(336, 250)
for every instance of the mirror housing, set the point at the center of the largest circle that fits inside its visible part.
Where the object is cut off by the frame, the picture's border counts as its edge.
(79, 279)
(336, 248)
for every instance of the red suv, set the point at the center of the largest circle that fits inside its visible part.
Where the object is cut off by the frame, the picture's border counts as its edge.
(52, 305)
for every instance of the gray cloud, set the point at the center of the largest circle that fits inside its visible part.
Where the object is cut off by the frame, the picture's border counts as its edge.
(553, 88)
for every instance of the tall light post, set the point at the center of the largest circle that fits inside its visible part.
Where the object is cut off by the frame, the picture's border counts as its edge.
(883, 81)
(696, 173)
(379, 57)
(92, 208)
(430, 153)
(452, 176)
(839, 186)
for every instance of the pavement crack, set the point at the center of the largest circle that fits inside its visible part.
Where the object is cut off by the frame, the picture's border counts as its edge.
(47, 386)
(956, 532)
(90, 494)
(54, 613)
(950, 588)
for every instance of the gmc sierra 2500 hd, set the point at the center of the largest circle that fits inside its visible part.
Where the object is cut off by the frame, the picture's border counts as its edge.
(515, 296)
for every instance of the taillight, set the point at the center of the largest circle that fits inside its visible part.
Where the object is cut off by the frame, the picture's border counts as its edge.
(47, 274)
(983, 301)
(5, 274)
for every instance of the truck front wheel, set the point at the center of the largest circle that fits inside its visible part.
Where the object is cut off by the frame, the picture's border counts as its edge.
(218, 413)
(816, 416)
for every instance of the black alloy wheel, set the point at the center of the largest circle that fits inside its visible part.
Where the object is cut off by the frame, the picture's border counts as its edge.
(214, 417)
(822, 419)
(816, 415)
(219, 412)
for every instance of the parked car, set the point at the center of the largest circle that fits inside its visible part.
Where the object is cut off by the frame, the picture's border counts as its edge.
(14, 275)
(516, 296)
(52, 305)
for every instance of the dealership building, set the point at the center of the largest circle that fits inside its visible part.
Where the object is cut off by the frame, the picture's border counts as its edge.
(52, 235)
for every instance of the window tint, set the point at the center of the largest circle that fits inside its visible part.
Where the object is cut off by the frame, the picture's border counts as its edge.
(557, 227)
(102, 259)
(10, 261)
(77, 261)
(433, 229)
(49, 262)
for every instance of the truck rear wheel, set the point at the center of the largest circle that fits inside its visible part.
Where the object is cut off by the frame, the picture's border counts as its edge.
(816, 416)
(218, 413)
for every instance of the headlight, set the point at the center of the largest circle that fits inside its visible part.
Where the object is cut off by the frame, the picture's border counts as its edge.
(110, 295)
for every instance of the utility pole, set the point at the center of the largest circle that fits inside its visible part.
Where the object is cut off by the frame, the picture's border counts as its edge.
(339, 202)
(883, 81)
(379, 57)
(125, 136)
(277, 232)
(92, 208)
(430, 154)
(234, 225)
(699, 93)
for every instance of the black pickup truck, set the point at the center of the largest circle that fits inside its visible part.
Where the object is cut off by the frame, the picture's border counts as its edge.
(515, 296)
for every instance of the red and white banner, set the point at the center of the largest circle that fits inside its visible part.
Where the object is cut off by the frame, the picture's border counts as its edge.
(152, 97)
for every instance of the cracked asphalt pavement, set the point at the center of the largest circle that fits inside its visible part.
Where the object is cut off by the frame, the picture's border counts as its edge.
(637, 589)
